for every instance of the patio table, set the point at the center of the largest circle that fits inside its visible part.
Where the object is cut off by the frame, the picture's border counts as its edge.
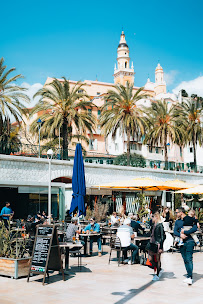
(86, 235)
(68, 246)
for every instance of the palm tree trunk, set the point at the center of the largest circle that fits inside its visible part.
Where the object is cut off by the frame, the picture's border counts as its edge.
(195, 156)
(65, 141)
(165, 152)
(128, 147)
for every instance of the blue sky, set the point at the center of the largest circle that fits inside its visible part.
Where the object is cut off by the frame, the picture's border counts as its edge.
(78, 39)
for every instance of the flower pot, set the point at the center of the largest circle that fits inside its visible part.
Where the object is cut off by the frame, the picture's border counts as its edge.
(14, 268)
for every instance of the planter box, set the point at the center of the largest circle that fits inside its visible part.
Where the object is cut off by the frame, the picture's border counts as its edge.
(14, 268)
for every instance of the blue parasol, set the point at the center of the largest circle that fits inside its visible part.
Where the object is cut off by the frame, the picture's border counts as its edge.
(78, 182)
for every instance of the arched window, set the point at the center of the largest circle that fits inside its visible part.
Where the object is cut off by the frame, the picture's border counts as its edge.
(126, 64)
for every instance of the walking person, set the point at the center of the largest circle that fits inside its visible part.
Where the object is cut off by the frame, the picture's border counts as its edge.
(7, 214)
(155, 246)
(187, 248)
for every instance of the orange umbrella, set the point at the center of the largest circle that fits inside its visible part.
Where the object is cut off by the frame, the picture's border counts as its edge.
(147, 184)
(134, 184)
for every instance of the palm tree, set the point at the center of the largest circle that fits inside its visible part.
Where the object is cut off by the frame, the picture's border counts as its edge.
(11, 95)
(161, 126)
(189, 117)
(63, 107)
(122, 112)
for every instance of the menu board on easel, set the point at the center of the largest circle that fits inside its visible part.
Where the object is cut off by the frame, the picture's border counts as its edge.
(46, 254)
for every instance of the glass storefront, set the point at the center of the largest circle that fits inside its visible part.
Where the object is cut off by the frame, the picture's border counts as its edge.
(27, 200)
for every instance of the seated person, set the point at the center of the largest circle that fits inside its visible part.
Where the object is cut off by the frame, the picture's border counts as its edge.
(94, 228)
(114, 219)
(125, 234)
(38, 217)
(135, 225)
(72, 229)
(43, 215)
(30, 225)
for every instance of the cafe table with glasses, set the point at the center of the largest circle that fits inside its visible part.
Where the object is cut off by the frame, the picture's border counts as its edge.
(92, 230)
(85, 236)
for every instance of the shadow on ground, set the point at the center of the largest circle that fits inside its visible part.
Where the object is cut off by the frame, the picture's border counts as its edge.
(134, 292)
(53, 278)
(74, 269)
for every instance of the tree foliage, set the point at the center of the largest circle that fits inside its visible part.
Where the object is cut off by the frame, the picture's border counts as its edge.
(184, 93)
(63, 107)
(12, 97)
(189, 115)
(136, 160)
(161, 126)
(9, 140)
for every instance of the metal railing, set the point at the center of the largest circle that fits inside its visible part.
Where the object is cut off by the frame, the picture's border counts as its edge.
(90, 157)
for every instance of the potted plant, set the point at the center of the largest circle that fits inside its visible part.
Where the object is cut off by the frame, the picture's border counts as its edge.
(14, 256)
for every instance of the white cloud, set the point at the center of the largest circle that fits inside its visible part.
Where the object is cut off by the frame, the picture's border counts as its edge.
(31, 90)
(194, 86)
(170, 77)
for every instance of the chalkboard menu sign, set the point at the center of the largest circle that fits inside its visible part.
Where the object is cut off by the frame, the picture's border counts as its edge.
(40, 254)
(44, 230)
(46, 254)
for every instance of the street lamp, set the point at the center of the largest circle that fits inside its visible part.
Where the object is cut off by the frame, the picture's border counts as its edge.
(166, 163)
(49, 156)
(39, 123)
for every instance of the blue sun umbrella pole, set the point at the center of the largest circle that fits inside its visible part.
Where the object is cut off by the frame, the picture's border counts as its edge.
(78, 183)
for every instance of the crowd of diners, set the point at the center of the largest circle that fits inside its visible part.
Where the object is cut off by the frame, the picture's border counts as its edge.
(160, 222)
(128, 228)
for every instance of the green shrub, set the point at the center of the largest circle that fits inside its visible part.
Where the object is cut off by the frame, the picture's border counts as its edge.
(136, 160)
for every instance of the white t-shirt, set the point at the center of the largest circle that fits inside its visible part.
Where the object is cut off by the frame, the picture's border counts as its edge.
(114, 219)
(124, 233)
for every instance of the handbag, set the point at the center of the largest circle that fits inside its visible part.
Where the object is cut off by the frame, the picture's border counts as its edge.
(146, 262)
(152, 247)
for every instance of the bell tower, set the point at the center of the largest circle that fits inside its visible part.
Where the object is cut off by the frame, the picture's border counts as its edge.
(160, 84)
(122, 71)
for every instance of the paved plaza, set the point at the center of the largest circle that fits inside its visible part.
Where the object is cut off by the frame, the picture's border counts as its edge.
(101, 283)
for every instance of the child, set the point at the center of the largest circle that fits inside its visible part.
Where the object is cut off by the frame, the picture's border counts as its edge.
(188, 222)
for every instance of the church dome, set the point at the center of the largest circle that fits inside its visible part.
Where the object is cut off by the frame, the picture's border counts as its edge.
(122, 42)
(122, 45)
(159, 67)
